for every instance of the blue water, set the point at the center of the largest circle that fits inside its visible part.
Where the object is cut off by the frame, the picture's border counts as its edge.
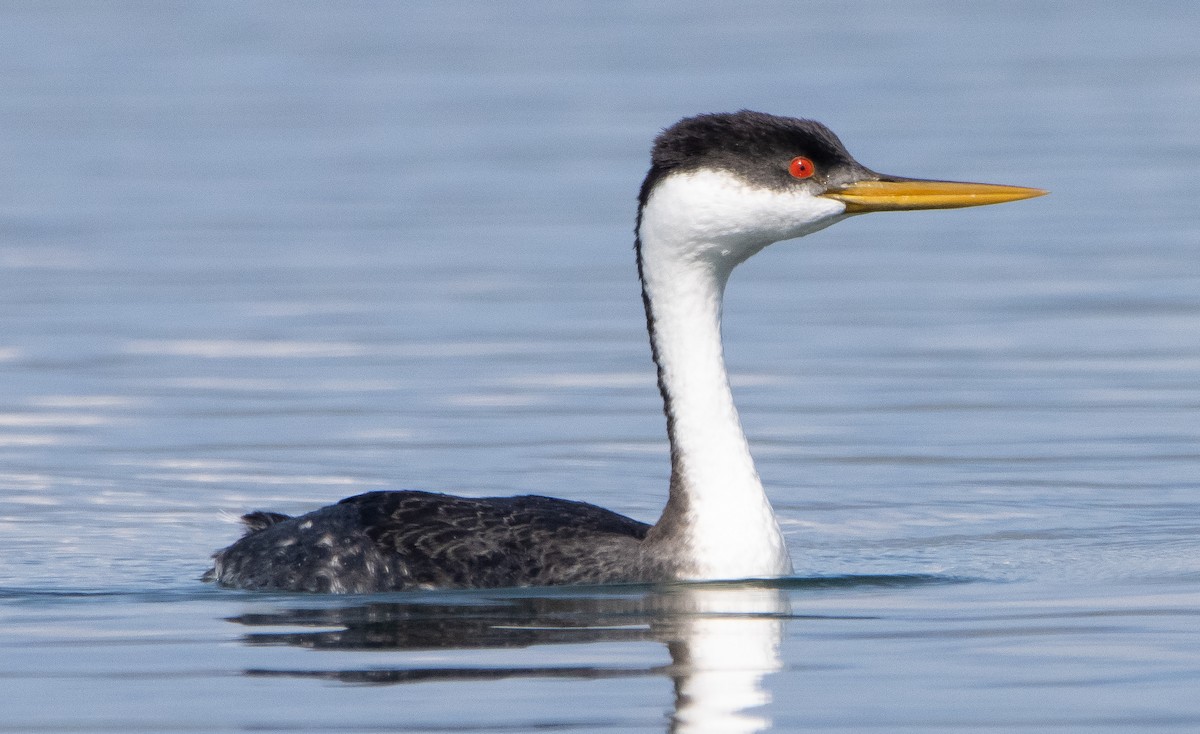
(268, 255)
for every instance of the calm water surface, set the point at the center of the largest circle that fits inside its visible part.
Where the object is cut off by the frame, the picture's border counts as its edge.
(267, 255)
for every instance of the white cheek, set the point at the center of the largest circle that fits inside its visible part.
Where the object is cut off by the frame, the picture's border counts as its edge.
(714, 213)
(808, 214)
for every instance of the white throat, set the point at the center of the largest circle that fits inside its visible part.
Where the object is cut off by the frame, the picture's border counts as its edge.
(694, 229)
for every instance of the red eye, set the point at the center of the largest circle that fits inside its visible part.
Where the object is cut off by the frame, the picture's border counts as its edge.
(801, 167)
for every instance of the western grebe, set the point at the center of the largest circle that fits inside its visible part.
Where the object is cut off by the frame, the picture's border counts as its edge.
(720, 188)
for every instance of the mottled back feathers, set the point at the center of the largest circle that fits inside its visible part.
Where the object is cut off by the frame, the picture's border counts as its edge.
(392, 541)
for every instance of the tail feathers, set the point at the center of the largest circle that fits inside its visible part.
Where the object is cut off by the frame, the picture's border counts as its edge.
(259, 521)
(255, 522)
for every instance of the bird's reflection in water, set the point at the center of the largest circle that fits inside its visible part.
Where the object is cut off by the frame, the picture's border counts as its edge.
(723, 639)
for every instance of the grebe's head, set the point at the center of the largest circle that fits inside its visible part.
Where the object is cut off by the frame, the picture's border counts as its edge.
(726, 185)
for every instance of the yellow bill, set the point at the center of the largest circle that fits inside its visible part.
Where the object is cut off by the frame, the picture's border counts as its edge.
(905, 194)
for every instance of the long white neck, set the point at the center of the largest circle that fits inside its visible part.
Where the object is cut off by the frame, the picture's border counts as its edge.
(717, 505)
(693, 230)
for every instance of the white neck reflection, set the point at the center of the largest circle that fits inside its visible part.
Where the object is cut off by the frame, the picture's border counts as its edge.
(724, 641)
